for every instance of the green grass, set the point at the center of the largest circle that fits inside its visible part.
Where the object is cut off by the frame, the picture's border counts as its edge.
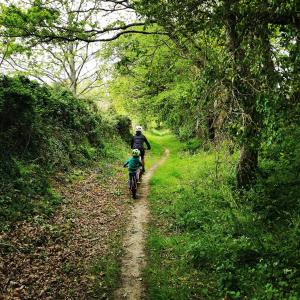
(159, 140)
(168, 273)
(157, 149)
(106, 270)
(205, 241)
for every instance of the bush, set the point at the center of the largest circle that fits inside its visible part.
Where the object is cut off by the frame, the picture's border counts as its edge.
(43, 130)
(193, 145)
(215, 242)
(124, 127)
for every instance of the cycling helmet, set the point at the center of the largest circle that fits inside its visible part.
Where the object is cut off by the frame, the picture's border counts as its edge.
(136, 152)
(138, 128)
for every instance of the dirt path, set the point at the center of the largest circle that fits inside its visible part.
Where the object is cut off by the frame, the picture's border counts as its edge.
(134, 261)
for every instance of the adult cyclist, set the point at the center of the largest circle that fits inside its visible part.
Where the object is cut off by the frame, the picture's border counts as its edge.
(138, 141)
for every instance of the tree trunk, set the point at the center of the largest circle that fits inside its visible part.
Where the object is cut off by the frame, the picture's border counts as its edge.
(247, 167)
(73, 73)
(248, 162)
(211, 128)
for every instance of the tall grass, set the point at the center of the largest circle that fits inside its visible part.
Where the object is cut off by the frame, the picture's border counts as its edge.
(206, 241)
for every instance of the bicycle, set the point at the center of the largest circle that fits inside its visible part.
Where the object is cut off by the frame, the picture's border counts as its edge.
(134, 179)
(135, 168)
(133, 184)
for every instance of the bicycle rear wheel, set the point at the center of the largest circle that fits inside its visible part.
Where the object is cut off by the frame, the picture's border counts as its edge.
(133, 184)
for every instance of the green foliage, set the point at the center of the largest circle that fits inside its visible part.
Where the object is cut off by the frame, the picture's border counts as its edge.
(224, 69)
(44, 130)
(36, 22)
(123, 127)
(153, 82)
(38, 122)
(207, 240)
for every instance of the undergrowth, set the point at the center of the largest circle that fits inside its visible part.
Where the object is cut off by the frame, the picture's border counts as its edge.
(46, 131)
(207, 241)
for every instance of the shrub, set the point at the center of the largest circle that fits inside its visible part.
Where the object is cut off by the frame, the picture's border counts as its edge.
(43, 130)
(123, 127)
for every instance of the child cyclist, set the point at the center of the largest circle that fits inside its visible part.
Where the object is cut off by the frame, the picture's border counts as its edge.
(133, 164)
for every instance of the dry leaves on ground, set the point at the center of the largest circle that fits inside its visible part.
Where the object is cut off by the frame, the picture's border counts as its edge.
(51, 259)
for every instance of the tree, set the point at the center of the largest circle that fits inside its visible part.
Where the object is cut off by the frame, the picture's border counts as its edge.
(156, 80)
(89, 21)
(62, 38)
(245, 30)
(74, 65)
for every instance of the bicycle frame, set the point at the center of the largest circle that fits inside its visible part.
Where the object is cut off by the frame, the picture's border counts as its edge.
(133, 184)
(134, 179)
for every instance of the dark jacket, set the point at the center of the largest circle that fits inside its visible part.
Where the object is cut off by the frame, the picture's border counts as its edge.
(138, 140)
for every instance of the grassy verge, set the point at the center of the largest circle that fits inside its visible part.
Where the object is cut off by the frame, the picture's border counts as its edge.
(205, 241)
(159, 141)
(106, 270)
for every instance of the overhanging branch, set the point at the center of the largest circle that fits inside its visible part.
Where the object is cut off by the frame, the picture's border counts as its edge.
(49, 38)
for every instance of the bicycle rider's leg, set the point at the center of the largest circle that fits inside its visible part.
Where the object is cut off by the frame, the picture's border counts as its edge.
(138, 175)
(134, 196)
(143, 158)
(134, 185)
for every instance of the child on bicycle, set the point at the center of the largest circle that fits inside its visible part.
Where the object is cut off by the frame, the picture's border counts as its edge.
(133, 164)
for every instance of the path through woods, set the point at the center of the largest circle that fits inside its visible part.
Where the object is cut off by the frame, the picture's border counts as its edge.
(134, 260)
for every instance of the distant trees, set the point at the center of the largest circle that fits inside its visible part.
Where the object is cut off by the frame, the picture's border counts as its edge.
(59, 41)
(74, 65)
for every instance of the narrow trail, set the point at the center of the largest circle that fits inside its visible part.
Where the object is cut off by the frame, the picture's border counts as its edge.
(134, 260)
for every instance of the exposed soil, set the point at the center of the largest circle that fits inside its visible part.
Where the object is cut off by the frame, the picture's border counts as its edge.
(134, 261)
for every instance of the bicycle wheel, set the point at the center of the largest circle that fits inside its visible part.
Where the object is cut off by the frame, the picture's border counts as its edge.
(133, 185)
